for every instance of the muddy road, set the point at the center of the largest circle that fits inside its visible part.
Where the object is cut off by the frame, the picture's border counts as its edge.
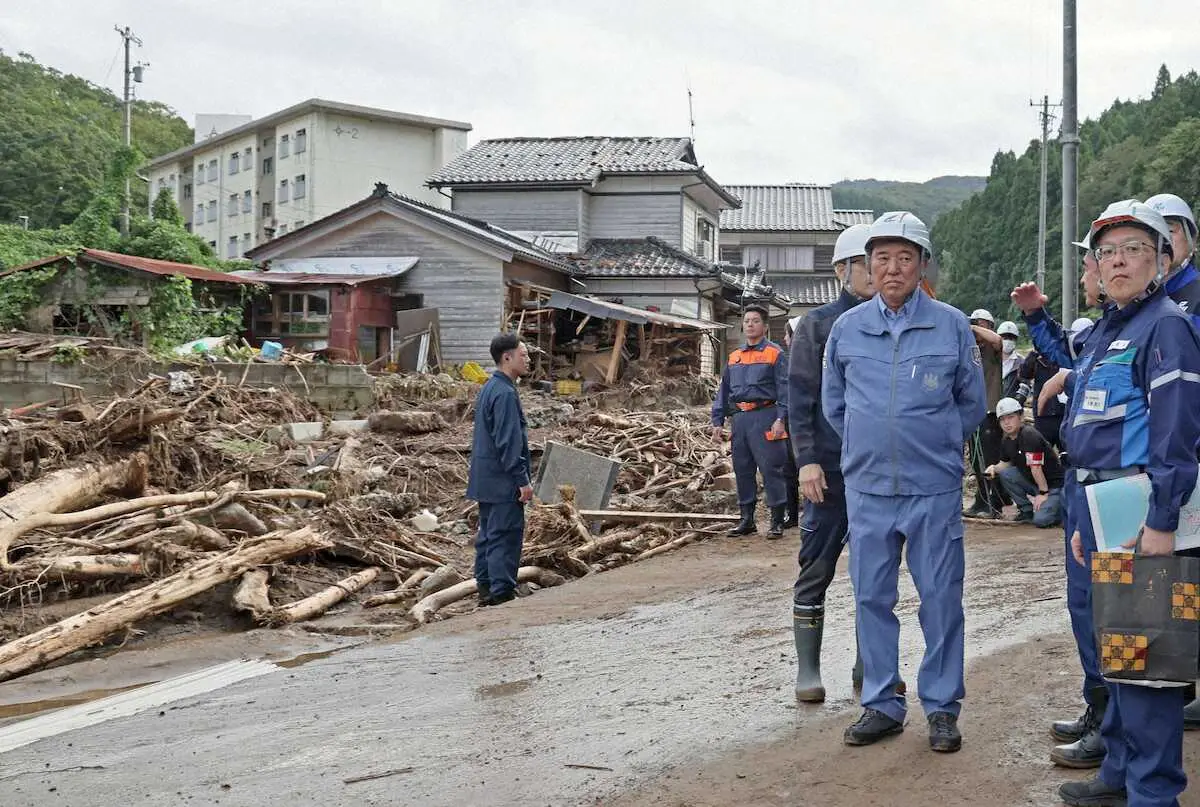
(662, 683)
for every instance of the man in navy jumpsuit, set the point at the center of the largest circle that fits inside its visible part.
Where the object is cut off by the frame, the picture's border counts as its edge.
(903, 388)
(818, 451)
(1132, 410)
(499, 474)
(754, 393)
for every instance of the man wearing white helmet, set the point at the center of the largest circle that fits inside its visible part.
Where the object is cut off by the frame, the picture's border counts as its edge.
(818, 451)
(1183, 281)
(1028, 468)
(903, 388)
(985, 443)
(1114, 428)
(1011, 379)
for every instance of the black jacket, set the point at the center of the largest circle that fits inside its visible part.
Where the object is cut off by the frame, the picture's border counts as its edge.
(813, 439)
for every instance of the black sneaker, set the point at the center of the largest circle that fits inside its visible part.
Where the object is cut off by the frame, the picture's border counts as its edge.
(1023, 518)
(871, 727)
(499, 599)
(980, 511)
(1092, 793)
(943, 732)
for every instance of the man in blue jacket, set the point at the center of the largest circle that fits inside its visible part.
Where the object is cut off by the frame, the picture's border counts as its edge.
(1183, 280)
(754, 392)
(818, 451)
(499, 474)
(903, 388)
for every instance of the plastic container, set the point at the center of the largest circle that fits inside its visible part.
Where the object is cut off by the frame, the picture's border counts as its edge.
(271, 351)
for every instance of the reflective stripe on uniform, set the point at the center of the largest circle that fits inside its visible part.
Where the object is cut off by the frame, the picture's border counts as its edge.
(1167, 378)
(1112, 413)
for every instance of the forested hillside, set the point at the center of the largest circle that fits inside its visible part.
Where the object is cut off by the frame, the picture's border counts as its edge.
(1134, 149)
(59, 134)
(928, 200)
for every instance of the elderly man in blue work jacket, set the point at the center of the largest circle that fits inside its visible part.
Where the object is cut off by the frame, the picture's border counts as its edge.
(499, 475)
(754, 393)
(903, 388)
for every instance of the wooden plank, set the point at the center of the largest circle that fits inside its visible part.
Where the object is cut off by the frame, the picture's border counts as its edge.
(638, 515)
(615, 363)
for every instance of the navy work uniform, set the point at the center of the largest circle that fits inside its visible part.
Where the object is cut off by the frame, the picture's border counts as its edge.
(1183, 286)
(754, 393)
(500, 466)
(824, 528)
(1132, 410)
(904, 390)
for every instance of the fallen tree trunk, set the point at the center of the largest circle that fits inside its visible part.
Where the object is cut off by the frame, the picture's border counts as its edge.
(412, 422)
(253, 595)
(72, 488)
(136, 425)
(322, 601)
(643, 515)
(36, 521)
(79, 631)
(677, 543)
(403, 591)
(424, 610)
(80, 567)
(444, 577)
(604, 544)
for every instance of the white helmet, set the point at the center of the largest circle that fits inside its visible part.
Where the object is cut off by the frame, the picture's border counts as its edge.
(1172, 207)
(1007, 406)
(983, 314)
(1008, 328)
(1136, 214)
(904, 226)
(1080, 325)
(851, 243)
(793, 322)
(1085, 244)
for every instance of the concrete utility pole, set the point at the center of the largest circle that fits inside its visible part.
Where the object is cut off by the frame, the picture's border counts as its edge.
(126, 34)
(1041, 260)
(1070, 156)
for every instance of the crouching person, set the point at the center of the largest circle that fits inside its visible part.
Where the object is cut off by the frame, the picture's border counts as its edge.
(1029, 468)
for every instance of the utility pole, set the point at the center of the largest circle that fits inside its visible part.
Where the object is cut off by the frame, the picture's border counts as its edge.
(127, 35)
(1041, 259)
(1070, 155)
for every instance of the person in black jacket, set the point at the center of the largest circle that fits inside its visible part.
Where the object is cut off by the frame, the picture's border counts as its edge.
(818, 451)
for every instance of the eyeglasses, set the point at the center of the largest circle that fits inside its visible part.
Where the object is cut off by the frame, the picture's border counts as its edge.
(1130, 249)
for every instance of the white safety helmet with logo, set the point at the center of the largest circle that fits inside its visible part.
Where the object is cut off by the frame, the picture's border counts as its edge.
(1008, 328)
(1007, 406)
(904, 226)
(982, 314)
(1132, 213)
(851, 243)
(1080, 325)
(1172, 207)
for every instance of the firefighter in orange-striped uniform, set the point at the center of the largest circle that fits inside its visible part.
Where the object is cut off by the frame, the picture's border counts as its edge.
(753, 394)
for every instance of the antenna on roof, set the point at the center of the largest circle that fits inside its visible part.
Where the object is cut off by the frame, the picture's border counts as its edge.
(691, 115)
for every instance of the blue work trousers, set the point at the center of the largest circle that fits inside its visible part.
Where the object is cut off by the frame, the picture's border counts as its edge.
(753, 453)
(1143, 744)
(1022, 491)
(498, 546)
(931, 526)
(822, 536)
(1079, 582)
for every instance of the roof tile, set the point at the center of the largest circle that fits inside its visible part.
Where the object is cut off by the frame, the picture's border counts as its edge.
(565, 159)
(781, 207)
(639, 257)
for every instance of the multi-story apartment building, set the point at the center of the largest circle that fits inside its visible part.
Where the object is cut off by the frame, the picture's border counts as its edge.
(244, 186)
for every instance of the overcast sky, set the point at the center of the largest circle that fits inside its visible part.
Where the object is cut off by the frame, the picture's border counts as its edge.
(783, 91)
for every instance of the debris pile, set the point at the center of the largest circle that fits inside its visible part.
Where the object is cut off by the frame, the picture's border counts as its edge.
(249, 497)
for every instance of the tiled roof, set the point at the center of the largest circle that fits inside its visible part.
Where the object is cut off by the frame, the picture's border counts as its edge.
(639, 257)
(152, 266)
(781, 207)
(566, 159)
(808, 289)
(851, 217)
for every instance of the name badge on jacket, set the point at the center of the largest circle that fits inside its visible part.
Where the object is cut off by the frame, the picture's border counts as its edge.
(1094, 400)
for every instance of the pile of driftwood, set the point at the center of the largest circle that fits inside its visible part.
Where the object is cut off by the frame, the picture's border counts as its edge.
(176, 490)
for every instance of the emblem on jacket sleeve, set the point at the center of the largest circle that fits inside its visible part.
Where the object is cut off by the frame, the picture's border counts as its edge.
(976, 356)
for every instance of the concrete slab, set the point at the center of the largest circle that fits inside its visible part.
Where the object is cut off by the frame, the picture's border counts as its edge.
(592, 475)
(306, 432)
(342, 428)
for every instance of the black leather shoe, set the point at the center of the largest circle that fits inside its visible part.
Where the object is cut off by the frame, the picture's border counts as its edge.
(746, 526)
(1092, 793)
(1086, 752)
(792, 521)
(777, 518)
(1068, 731)
(499, 599)
(871, 727)
(944, 735)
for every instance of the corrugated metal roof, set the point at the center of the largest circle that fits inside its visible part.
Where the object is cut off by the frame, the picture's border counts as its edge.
(639, 257)
(781, 207)
(135, 263)
(603, 309)
(851, 217)
(565, 159)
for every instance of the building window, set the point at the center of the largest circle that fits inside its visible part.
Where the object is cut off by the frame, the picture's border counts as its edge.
(231, 250)
(298, 187)
(266, 210)
(731, 255)
(232, 209)
(171, 179)
(268, 165)
(235, 160)
(248, 159)
(285, 146)
(247, 202)
(292, 313)
(162, 183)
(299, 223)
(246, 240)
(199, 214)
(705, 233)
(282, 229)
(187, 190)
(212, 211)
(283, 191)
(301, 140)
(212, 171)
(213, 245)
(199, 173)
(266, 143)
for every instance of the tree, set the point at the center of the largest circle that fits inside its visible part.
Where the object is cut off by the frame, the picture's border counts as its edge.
(1162, 82)
(165, 209)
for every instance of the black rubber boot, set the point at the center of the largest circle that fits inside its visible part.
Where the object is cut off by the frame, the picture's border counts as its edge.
(808, 626)
(1191, 716)
(1068, 731)
(1092, 793)
(793, 508)
(746, 526)
(778, 516)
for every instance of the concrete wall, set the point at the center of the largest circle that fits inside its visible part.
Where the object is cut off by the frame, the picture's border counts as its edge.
(332, 387)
